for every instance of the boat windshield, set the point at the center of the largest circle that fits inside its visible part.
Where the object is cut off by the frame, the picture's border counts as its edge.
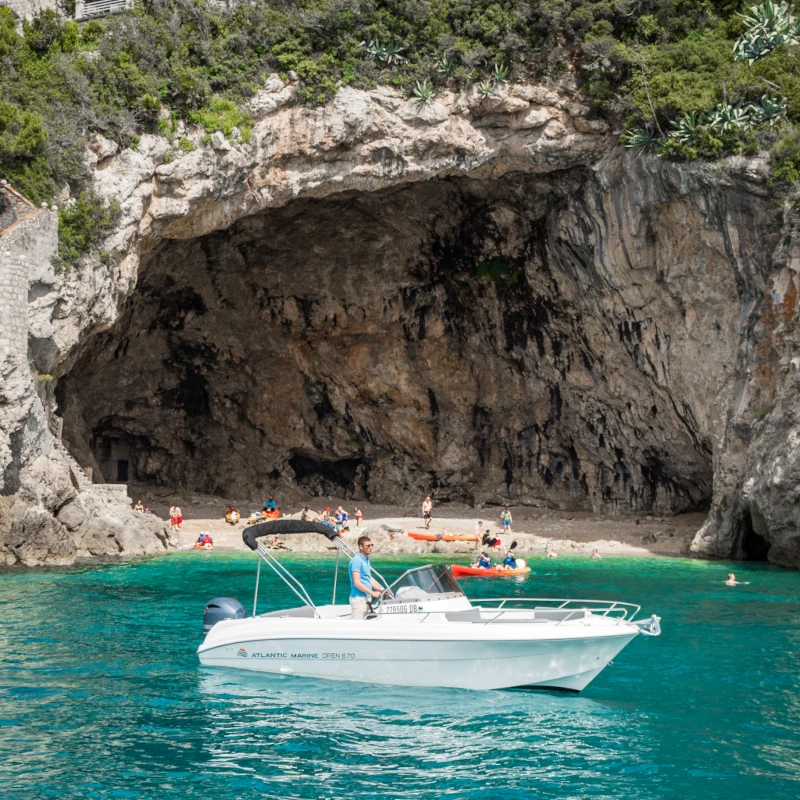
(430, 580)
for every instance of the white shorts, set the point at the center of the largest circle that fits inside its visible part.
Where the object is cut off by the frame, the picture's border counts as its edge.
(358, 607)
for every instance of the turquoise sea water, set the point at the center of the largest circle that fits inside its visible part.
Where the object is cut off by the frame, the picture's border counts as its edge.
(101, 695)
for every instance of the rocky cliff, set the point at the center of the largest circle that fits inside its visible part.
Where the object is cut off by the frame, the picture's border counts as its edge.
(480, 297)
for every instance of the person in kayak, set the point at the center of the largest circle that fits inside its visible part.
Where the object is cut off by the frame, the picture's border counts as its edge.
(361, 591)
(483, 562)
(509, 562)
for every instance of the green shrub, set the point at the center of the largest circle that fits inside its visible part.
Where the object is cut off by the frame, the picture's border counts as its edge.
(786, 157)
(222, 115)
(185, 145)
(82, 226)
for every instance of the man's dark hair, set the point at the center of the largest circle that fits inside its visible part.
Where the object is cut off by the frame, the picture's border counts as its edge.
(363, 540)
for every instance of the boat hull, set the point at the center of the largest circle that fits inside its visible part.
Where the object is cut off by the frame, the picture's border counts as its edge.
(568, 662)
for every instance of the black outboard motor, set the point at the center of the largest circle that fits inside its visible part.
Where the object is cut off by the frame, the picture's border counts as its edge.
(221, 608)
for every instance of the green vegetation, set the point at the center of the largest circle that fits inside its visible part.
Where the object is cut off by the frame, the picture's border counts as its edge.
(82, 226)
(689, 78)
(728, 89)
(499, 269)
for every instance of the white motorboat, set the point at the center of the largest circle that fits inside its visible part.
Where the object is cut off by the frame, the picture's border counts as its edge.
(424, 632)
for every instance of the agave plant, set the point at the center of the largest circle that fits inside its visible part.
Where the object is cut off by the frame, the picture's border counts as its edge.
(374, 47)
(423, 91)
(725, 116)
(485, 89)
(643, 140)
(500, 73)
(445, 65)
(769, 110)
(383, 53)
(768, 25)
(685, 129)
(391, 53)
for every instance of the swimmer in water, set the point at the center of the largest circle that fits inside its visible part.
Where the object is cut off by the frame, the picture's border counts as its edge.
(733, 582)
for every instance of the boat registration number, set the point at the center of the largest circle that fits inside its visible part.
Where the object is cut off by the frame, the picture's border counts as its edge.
(402, 608)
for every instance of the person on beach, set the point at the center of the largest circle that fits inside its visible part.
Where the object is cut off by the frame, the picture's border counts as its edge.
(179, 517)
(595, 554)
(173, 518)
(139, 507)
(361, 591)
(505, 519)
(204, 541)
(427, 512)
(478, 534)
(269, 505)
(359, 517)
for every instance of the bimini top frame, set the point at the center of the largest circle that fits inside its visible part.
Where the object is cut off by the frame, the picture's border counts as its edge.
(277, 527)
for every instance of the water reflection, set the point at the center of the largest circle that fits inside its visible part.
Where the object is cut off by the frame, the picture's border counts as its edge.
(286, 730)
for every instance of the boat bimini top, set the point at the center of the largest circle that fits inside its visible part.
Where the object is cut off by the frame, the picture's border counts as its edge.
(280, 527)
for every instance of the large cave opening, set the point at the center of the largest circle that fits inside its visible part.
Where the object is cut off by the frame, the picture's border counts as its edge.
(452, 336)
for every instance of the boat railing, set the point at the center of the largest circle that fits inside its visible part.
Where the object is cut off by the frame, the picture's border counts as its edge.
(573, 607)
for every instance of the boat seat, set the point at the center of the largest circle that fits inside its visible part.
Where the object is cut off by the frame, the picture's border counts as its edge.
(468, 615)
(557, 614)
(302, 611)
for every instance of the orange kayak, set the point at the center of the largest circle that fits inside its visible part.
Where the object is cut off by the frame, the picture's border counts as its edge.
(446, 537)
(469, 572)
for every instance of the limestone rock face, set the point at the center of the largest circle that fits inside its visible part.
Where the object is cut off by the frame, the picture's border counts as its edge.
(483, 298)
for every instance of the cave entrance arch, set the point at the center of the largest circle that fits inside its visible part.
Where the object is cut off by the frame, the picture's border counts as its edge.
(433, 336)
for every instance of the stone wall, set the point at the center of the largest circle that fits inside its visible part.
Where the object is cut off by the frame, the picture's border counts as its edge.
(31, 236)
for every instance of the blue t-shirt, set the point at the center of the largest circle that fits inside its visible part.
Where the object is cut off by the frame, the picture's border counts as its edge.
(270, 505)
(485, 563)
(359, 564)
(510, 561)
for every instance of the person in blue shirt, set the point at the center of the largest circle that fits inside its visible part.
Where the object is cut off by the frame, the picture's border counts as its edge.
(510, 562)
(483, 562)
(361, 591)
(270, 504)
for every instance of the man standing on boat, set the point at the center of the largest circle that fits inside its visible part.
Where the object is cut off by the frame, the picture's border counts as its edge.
(361, 591)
